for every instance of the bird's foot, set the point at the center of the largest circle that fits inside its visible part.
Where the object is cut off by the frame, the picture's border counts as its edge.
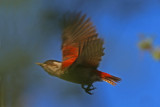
(88, 88)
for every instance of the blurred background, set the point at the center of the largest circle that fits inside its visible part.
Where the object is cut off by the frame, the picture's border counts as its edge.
(30, 32)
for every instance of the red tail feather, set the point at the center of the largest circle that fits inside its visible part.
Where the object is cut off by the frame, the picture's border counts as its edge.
(109, 78)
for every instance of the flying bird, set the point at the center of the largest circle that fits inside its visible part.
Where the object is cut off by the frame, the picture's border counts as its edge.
(82, 50)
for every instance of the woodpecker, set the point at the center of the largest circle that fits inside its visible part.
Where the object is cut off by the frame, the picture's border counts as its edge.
(82, 50)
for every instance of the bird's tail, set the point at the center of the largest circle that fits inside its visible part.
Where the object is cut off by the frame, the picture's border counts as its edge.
(109, 78)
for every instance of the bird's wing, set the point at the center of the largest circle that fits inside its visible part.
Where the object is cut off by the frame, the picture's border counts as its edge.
(91, 52)
(80, 43)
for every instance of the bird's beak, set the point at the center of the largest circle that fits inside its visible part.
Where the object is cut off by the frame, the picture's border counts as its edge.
(40, 64)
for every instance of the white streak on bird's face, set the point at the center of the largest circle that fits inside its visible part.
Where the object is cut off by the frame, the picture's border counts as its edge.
(52, 67)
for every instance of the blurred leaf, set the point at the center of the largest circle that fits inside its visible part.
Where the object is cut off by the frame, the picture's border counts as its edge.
(145, 43)
(156, 54)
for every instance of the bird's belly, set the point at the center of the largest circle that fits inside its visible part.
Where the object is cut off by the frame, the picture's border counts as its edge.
(81, 77)
(76, 79)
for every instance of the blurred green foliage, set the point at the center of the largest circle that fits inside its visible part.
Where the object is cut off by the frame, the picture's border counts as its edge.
(145, 44)
(156, 54)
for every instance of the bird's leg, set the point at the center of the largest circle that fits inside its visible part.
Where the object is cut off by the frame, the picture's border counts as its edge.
(89, 88)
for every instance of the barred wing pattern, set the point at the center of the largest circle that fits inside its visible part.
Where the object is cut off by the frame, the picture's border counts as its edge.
(91, 54)
(80, 44)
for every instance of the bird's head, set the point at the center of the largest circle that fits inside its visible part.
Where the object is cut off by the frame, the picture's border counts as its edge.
(51, 66)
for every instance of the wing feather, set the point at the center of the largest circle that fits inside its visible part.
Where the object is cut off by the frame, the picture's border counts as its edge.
(80, 42)
(91, 53)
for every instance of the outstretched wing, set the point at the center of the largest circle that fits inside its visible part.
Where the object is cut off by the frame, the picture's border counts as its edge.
(91, 53)
(80, 43)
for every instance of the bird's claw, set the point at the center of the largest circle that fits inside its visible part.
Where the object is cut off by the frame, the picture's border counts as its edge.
(88, 89)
